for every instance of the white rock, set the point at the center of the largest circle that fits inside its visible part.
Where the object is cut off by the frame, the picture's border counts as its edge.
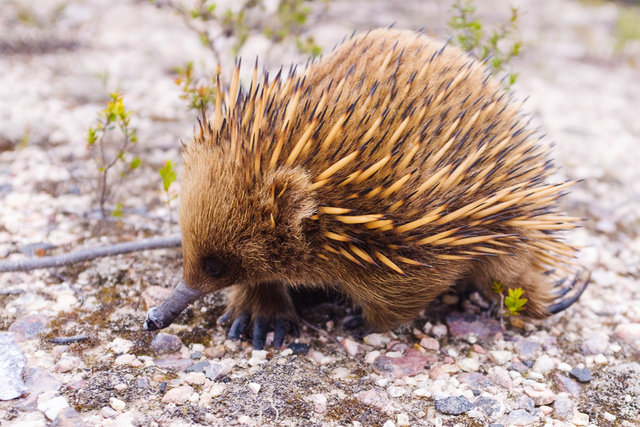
(319, 401)
(580, 419)
(544, 364)
(258, 357)
(108, 412)
(500, 357)
(439, 331)
(402, 420)
(376, 340)
(217, 389)
(127, 359)
(120, 345)
(389, 423)
(469, 364)
(51, 407)
(371, 356)
(629, 333)
(117, 404)
(254, 387)
(178, 395)
(350, 346)
(500, 376)
(197, 378)
(540, 397)
(421, 392)
(395, 391)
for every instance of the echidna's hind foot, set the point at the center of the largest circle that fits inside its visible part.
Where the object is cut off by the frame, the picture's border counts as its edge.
(564, 296)
(266, 307)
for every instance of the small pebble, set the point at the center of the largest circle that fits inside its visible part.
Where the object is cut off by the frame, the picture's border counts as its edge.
(164, 343)
(402, 420)
(178, 395)
(430, 343)
(376, 340)
(469, 364)
(395, 391)
(198, 367)
(128, 359)
(352, 348)
(117, 404)
(299, 348)
(543, 365)
(500, 357)
(254, 387)
(319, 401)
(439, 331)
(582, 375)
(520, 417)
(196, 378)
(453, 405)
(389, 423)
(108, 412)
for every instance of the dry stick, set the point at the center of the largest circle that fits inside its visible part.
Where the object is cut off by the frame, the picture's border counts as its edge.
(91, 253)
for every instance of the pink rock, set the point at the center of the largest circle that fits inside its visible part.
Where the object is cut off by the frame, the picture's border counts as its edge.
(430, 343)
(463, 324)
(540, 397)
(28, 327)
(178, 395)
(375, 397)
(350, 346)
(319, 403)
(501, 376)
(629, 333)
(411, 364)
(445, 368)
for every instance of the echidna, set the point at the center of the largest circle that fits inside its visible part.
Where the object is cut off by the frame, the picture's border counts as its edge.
(390, 171)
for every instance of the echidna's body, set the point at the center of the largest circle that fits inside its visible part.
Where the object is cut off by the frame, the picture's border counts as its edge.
(390, 170)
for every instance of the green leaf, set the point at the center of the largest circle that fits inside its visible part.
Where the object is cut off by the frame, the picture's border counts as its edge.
(135, 163)
(167, 174)
(117, 212)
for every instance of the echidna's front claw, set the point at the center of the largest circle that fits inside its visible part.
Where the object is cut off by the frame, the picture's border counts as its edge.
(562, 301)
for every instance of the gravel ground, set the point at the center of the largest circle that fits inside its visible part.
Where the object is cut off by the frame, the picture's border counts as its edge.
(453, 366)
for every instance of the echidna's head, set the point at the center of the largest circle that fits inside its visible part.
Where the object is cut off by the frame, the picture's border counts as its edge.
(237, 230)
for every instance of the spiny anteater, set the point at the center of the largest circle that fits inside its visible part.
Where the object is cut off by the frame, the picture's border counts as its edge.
(390, 171)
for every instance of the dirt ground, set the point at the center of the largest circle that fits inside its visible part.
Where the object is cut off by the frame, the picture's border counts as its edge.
(580, 67)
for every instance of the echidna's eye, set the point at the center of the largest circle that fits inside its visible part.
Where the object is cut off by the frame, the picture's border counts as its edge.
(212, 266)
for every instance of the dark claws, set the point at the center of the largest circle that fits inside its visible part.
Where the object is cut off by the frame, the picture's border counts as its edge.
(280, 329)
(222, 320)
(352, 322)
(238, 326)
(562, 302)
(260, 329)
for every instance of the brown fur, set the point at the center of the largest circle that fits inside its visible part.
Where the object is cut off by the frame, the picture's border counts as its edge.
(259, 193)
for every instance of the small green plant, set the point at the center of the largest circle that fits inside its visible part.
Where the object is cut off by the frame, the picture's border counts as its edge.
(496, 46)
(168, 177)
(512, 301)
(109, 151)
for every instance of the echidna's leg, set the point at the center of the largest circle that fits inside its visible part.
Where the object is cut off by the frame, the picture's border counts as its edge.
(266, 307)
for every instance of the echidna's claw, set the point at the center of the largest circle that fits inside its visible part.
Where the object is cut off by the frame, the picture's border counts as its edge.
(563, 301)
(280, 329)
(559, 291)
(260, 330)
(239, 326)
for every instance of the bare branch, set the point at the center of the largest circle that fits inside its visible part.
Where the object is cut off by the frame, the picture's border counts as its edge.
(86, 254)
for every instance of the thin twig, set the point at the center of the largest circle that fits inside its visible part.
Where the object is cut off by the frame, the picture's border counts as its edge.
(87, 254)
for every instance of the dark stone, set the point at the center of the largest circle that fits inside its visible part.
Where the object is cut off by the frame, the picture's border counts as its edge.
(299, 348)
(518, 367)
(453, 405)
(582, 375)
(524, 402)
(198, 367)
(196, 355)
(528, 363)
(488, 405)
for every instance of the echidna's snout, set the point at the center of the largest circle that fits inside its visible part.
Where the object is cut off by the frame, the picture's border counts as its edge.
(162, 316)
